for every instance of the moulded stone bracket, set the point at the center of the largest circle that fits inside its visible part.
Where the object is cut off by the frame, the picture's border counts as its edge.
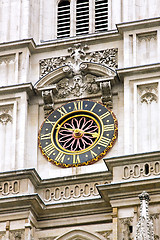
(105, 87)
(48, 100)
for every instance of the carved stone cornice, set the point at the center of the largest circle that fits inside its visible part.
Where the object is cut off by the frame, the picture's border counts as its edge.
(138, 24)
(24, 87)
(133, 71)
(132, 158)
(120, 191)
(53, 196)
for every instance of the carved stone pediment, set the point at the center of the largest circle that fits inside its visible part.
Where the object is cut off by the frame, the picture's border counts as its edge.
(79, 75)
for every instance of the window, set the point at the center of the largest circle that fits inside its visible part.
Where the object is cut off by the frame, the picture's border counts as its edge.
(101, 15)
(82, 17)
(63, 28)
(77, 17)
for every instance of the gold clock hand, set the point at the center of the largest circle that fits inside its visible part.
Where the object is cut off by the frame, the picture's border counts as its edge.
(70, 129)
(93, 134)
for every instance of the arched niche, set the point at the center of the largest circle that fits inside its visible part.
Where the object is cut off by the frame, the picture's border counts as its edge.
(79, 235)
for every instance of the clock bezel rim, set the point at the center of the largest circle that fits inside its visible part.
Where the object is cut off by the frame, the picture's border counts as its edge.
(98, 157)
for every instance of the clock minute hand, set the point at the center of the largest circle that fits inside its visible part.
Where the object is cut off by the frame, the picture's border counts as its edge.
(93, 134)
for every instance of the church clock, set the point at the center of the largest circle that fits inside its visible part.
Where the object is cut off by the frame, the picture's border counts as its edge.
(78, 133)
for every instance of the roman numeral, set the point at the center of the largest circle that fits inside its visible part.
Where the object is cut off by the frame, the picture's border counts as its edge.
(51, 122)
(45, 136)
(104, 115)
(109, 127)
(76, 159)
(62, 111)
(93, 154)
(93, 107)
(49, 149)
(78, 105)
(60, 157)
(104, 141)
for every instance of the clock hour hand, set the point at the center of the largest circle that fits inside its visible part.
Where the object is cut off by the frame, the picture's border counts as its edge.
(70, 129)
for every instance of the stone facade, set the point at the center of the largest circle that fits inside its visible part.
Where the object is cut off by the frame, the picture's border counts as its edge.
(38, 73)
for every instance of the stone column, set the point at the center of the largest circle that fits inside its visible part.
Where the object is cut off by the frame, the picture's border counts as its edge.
(115, 224)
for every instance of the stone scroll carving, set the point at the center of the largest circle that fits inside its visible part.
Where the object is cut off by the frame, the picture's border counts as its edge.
(145, 225)
(106, 57)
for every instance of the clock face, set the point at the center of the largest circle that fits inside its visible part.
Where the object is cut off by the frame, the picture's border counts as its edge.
(78, 133)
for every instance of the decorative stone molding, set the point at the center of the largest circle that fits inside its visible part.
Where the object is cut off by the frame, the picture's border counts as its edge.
(147, 36)
(12, 187)
(71, 192)
(17, 235)
(145, 225)
(79, 234)
(154, 216)
(78, 52)
(5, 115)
(78, 75)
(106, 57)
(106, 234)
(141, 170)
(50, 64)
(7, 59)
(148, 93)
(127, 227)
